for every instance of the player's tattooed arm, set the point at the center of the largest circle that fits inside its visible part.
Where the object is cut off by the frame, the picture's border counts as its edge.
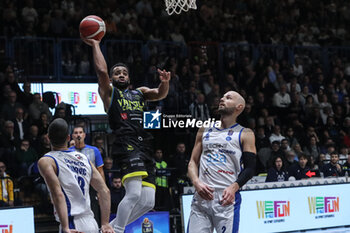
(104, 87)
(202, 189)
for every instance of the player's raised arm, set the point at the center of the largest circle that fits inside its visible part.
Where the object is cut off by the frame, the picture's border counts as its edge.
(104, 87)
(47, 169)
(104, 199)
(154, 94)
(203, 190)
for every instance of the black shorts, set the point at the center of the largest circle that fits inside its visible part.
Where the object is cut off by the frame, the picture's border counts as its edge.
(134, 158)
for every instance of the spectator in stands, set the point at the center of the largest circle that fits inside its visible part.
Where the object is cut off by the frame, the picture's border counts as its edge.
(330, 149)
(290, 159)
(11, 26)
(298, 68)
(285, 145)
(276, 134)
(179, 160)
(84, 65)
(34, 138)
(44, 145)
(304, 138)
(277, 172)
(69, 65)
(5, 94)
(100, 144)
(10, 79)
(333, 168)
(299, 170)
(267, 154)
(108, 166)
(25, 155)
(60, 112)
(304, 94)
(290, 136)
(269, 124)
(26, 97)
(312, 149)
(314, 166)
(58, 23)
(21, 125)
(6, 187)
(29, 13)
(309, 105)
(297, 150)
(38, 107)
(346, 166)
(293, 84)
(8, 110)
(199, 109)
(42, 123)
(261, 140)
(8, 138)
(176, 36)
(117, 194)
(332, 128)
(343, 155)
(281, 100)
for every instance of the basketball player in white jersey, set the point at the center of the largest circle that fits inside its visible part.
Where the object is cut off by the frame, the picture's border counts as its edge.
(68, 175)
(217, 154)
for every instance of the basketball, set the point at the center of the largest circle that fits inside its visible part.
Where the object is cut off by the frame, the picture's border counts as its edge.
(92, 27)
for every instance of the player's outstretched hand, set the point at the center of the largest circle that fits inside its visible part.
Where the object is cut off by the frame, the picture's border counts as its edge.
(90, 42)
(228, 196)
(164, 75)
(204, 191)
(106, 228)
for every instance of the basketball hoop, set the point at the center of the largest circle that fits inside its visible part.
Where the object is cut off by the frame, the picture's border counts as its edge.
(177, 6)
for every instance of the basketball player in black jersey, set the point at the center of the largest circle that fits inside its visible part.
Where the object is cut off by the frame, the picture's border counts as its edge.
(132, 146)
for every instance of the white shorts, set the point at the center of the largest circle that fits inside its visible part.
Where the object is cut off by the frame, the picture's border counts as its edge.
(86, 224)
(207, 215)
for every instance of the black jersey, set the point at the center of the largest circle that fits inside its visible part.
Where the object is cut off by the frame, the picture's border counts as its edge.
(125, 113)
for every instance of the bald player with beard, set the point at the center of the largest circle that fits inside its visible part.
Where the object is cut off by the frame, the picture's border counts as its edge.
(216, 170)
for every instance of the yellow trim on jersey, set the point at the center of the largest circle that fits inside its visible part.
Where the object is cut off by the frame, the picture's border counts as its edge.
(145, 183)
(144, 174)
(110, 103)
(138, 89)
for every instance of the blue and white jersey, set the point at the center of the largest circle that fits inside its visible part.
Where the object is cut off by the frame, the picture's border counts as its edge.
(74, 173)
(220, 162)
(92, 153)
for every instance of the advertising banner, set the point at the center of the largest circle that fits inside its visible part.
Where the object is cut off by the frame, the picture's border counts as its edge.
(152, 222)
(83, 96)
(17, 220)
(290, 209)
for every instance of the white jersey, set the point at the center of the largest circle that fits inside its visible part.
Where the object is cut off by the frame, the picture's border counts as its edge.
(74, 173)
(220, 162)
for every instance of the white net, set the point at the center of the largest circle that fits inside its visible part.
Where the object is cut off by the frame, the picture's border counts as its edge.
(177, 6)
